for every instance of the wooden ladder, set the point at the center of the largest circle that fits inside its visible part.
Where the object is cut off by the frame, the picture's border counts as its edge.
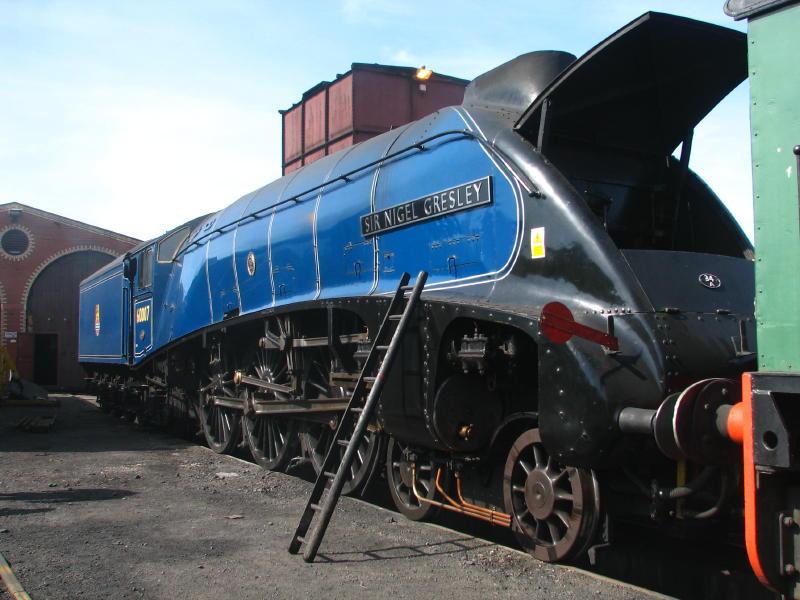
(355, 418)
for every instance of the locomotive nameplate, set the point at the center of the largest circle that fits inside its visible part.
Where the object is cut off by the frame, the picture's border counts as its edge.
(462, 197)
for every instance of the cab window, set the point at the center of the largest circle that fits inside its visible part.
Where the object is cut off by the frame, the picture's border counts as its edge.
(146, 269)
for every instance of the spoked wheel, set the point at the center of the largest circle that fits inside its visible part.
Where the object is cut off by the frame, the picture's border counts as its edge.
(272, 440)
(399, 463)
(555, 508)
(316, 440)
(221, 424)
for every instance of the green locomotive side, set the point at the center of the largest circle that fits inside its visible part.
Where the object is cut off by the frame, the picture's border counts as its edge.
(773, 50)
(770, 409)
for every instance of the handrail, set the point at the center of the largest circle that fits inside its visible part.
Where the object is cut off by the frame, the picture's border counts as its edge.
(420, 145)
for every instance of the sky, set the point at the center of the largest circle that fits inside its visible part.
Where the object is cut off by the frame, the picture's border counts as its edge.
(139, 115)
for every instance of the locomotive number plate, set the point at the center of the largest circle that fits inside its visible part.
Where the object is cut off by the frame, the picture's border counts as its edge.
(462, 197)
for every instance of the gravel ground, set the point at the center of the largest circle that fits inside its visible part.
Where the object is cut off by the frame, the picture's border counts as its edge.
(97, 508)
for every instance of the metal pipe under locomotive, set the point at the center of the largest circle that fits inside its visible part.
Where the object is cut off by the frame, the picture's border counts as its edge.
(588, 307)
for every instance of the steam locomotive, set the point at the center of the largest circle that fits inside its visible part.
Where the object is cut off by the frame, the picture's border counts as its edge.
(576, 352)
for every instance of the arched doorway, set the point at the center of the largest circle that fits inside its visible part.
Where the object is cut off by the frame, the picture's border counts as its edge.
(52, 318)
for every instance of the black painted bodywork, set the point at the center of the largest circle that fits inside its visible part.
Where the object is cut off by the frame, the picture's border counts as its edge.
(634, 259)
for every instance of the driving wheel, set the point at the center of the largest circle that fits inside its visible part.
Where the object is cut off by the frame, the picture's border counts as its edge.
(555, 508)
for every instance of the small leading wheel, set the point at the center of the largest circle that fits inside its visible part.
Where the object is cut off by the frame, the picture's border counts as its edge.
(555, 509)
(270, 439)
(399, 462)
(316, 440)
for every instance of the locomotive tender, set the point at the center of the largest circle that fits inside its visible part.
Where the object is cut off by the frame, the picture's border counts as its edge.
(588, 308)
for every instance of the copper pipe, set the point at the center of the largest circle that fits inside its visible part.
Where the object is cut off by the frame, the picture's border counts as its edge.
(421, 498)
(452, 507)
(501, 516)
(492, 516)
(452, 502)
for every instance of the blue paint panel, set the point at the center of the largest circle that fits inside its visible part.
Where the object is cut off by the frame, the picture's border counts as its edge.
(103, 318)
(255, 291)
(292, 256)
(221, 277)
(252, 235)
(346, 258)
(189, 294)
(167, 274)
(222, 274)
(237, 209)
(142, 326)
(465, 245)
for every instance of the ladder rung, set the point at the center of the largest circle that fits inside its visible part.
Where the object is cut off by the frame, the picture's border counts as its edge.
(357, 409)
(406, 288)
(343, 443)
(301, 539)
(313, 506)
(395, 317)
(369, 379)
(382, 348)
(329, 475)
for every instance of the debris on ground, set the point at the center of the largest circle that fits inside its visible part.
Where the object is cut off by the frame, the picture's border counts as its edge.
(36, 423)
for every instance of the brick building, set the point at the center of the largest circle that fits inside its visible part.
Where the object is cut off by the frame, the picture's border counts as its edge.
(366, 101)
(43, 258)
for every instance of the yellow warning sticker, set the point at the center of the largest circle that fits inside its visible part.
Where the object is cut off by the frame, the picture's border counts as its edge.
(537, 242)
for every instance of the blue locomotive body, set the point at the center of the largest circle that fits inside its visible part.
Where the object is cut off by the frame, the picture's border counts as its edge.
(452, 209)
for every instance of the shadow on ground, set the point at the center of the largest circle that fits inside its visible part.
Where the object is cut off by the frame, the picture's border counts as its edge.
(81, 427)
(453, 546)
